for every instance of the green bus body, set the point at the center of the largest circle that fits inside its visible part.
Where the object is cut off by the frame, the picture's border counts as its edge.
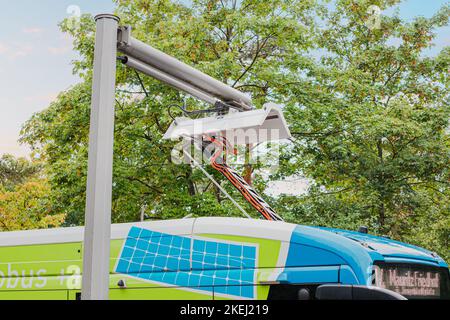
(204, 259)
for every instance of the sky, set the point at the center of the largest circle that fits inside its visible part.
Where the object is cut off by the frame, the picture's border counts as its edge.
(35, 60)
(35, 57)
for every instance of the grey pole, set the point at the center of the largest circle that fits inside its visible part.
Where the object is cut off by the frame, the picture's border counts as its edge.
(170, 80)
(97, 232)
(163, 66)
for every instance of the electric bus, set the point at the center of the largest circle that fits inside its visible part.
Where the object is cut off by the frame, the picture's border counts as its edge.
(223, 258)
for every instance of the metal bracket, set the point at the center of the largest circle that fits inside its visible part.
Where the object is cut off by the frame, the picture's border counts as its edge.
(123, 36)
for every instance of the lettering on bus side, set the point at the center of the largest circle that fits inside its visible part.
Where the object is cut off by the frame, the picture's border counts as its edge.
(69, 278)
(24, 279)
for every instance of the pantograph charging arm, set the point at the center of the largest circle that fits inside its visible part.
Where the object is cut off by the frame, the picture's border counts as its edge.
(250, 194)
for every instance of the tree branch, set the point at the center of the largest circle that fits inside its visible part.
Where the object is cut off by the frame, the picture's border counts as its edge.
(258, 51)
(145, 184)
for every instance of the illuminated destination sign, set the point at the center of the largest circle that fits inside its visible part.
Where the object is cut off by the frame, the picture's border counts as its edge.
(408, 281)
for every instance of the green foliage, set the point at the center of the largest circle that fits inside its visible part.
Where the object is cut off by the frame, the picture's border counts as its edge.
(26, 200)
(369, 111)
(371, 128)
(28, 206)
(250, 45)
(15, 171)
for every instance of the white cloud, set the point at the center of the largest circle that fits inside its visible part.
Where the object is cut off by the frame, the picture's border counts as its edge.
(58, 50)
(22, 50)
(3, 48)
(64, 46)
(67, 37)
(294, 186)
(9, 145)
(43, 98)
(33, 30)
(15, 50)
(14, 148)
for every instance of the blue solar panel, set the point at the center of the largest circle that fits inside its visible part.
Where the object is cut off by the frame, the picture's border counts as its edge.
(186, 262)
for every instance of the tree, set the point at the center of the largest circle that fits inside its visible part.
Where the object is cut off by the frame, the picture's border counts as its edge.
(29, 206)
(26, 200)
(368, 110)
(15, 171)
(371, 127)
(251, 45)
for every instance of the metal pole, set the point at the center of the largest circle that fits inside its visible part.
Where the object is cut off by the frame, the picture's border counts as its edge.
(170, 80)
(97, 233)
(163, 63)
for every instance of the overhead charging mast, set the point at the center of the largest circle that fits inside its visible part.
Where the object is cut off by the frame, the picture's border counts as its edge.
(231, 121)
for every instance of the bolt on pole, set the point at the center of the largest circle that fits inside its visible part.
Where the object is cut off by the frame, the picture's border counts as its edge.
(97, 232)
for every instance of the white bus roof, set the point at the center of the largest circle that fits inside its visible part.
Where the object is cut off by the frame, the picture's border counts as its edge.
(275, 230)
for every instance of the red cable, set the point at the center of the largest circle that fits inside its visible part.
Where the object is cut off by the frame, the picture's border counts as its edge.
(239, 183)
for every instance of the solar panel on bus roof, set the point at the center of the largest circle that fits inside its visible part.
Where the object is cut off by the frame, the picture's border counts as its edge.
(189, 262)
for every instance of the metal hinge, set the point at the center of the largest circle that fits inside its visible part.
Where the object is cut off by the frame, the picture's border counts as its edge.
(123, 36)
